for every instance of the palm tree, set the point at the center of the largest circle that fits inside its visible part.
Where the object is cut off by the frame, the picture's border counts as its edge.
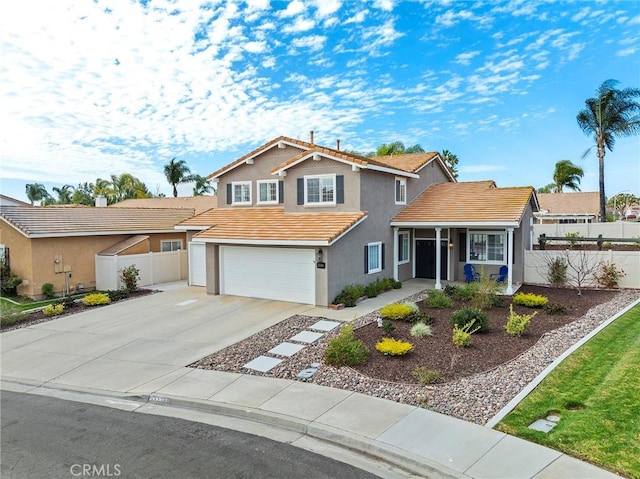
(36, 192)
(127, 186)
(451, 160)
(83, 194)
(567, 175)
(202, 186)
(177, 172)
(610, 114)
(104, 188)
(394, 148)
(64, 194)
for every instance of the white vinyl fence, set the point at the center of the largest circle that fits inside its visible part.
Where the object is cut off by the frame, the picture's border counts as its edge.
(536, 264)
(154, 268)
(617, 229)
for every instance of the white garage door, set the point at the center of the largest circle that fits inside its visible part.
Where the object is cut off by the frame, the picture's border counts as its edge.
(283, 274)
(197, 264)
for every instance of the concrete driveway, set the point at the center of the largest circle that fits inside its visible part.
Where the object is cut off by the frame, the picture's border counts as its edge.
(127, 345)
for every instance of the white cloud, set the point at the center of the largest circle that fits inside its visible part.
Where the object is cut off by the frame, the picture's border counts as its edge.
(358, 17)
(312, 42)
(294, 8)
(300, 25)
(386, 5)
(465, 58)
(325, 8)
(626, 52)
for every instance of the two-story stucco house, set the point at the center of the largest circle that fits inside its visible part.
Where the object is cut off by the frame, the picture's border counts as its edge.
(298, 222)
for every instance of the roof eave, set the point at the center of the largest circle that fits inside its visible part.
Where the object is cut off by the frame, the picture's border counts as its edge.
(96, 233)
(270, 242)
(456, 224)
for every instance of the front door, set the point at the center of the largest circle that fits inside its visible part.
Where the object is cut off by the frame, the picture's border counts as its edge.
(426, 259)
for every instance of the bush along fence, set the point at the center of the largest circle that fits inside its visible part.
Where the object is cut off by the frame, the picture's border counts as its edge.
(583, 269)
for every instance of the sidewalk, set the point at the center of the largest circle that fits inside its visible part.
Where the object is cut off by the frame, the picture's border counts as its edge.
(138, 363)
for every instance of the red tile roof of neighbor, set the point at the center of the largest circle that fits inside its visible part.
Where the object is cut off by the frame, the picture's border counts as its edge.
(199, 204)
(570, 203)
(271, 225)
(53, 221)
(467, 203)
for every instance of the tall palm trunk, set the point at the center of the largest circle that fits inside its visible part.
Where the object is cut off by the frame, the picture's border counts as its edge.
(603, 211)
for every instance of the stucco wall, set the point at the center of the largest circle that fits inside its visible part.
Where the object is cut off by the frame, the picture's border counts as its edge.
(34, 259)
(323, 166)
(259, 170)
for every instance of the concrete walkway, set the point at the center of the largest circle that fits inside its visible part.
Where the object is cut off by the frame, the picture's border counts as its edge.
(135, 354)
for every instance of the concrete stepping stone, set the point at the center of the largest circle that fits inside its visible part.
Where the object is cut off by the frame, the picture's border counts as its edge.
(262, 363)
(306, 337)
(543, 425)
(286, 349)
(324, 325)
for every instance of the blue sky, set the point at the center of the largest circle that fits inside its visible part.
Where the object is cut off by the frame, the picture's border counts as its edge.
(94, 88)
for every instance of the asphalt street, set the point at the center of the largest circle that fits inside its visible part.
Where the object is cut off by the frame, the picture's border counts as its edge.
(45, 437)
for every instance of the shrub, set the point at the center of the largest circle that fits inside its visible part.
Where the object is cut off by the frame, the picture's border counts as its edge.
(96, 299)
(609, 275)
(129, 277)
(66, 302)
(53, 309)
(530, 300)
(570, 237)
(485, 293)
(420, 317)
(398, 284)
(437, 299)
(476, 318)
(388, 327)
(371, 291)
(10, 314)
(426, 376)
(117, 294)
(557, 273)
(398, 310)
(350, 295)
(394, 347)
(9, 281)
(554, 308)
(345, 349)
(461, 293)
(48, 291)
(420, 330)
(462, 335)
(517, 323)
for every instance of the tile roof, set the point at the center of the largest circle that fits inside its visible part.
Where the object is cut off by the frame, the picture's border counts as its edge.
(410, 162)
(403, 163)
(467, 203)
(197, 203)
(119, 247)
(587, 202)
(271, 225)
(9, 201)
(303, 144)
(51, 221)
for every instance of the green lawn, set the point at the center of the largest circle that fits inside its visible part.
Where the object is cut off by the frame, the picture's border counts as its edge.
(596, 392)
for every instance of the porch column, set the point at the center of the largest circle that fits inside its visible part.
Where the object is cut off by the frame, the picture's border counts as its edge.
(395, 252)
(509, 289)
(438, 258)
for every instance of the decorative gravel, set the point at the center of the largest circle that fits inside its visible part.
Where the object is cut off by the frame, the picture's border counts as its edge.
(476, 398)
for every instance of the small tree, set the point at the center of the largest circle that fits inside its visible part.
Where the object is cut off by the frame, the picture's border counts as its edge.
(130, 276)
(9, 281)
(580, 267)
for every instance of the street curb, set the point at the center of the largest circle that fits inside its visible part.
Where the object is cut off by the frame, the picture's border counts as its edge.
(538, 379)
(392, 455)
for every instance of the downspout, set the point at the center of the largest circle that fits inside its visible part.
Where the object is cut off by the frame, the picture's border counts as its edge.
(509, 289)
(395, 253)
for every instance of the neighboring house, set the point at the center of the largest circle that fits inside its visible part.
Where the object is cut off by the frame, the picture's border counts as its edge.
(565, 208)
(199, 204)
(298, 222)
(59, 245)
(8, 201)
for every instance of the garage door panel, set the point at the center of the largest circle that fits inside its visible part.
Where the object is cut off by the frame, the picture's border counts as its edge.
(273, 273)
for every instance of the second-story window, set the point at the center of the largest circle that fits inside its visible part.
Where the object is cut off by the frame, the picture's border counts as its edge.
(401, 191)
(241, 193)
(320, 190)
(268, 191)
